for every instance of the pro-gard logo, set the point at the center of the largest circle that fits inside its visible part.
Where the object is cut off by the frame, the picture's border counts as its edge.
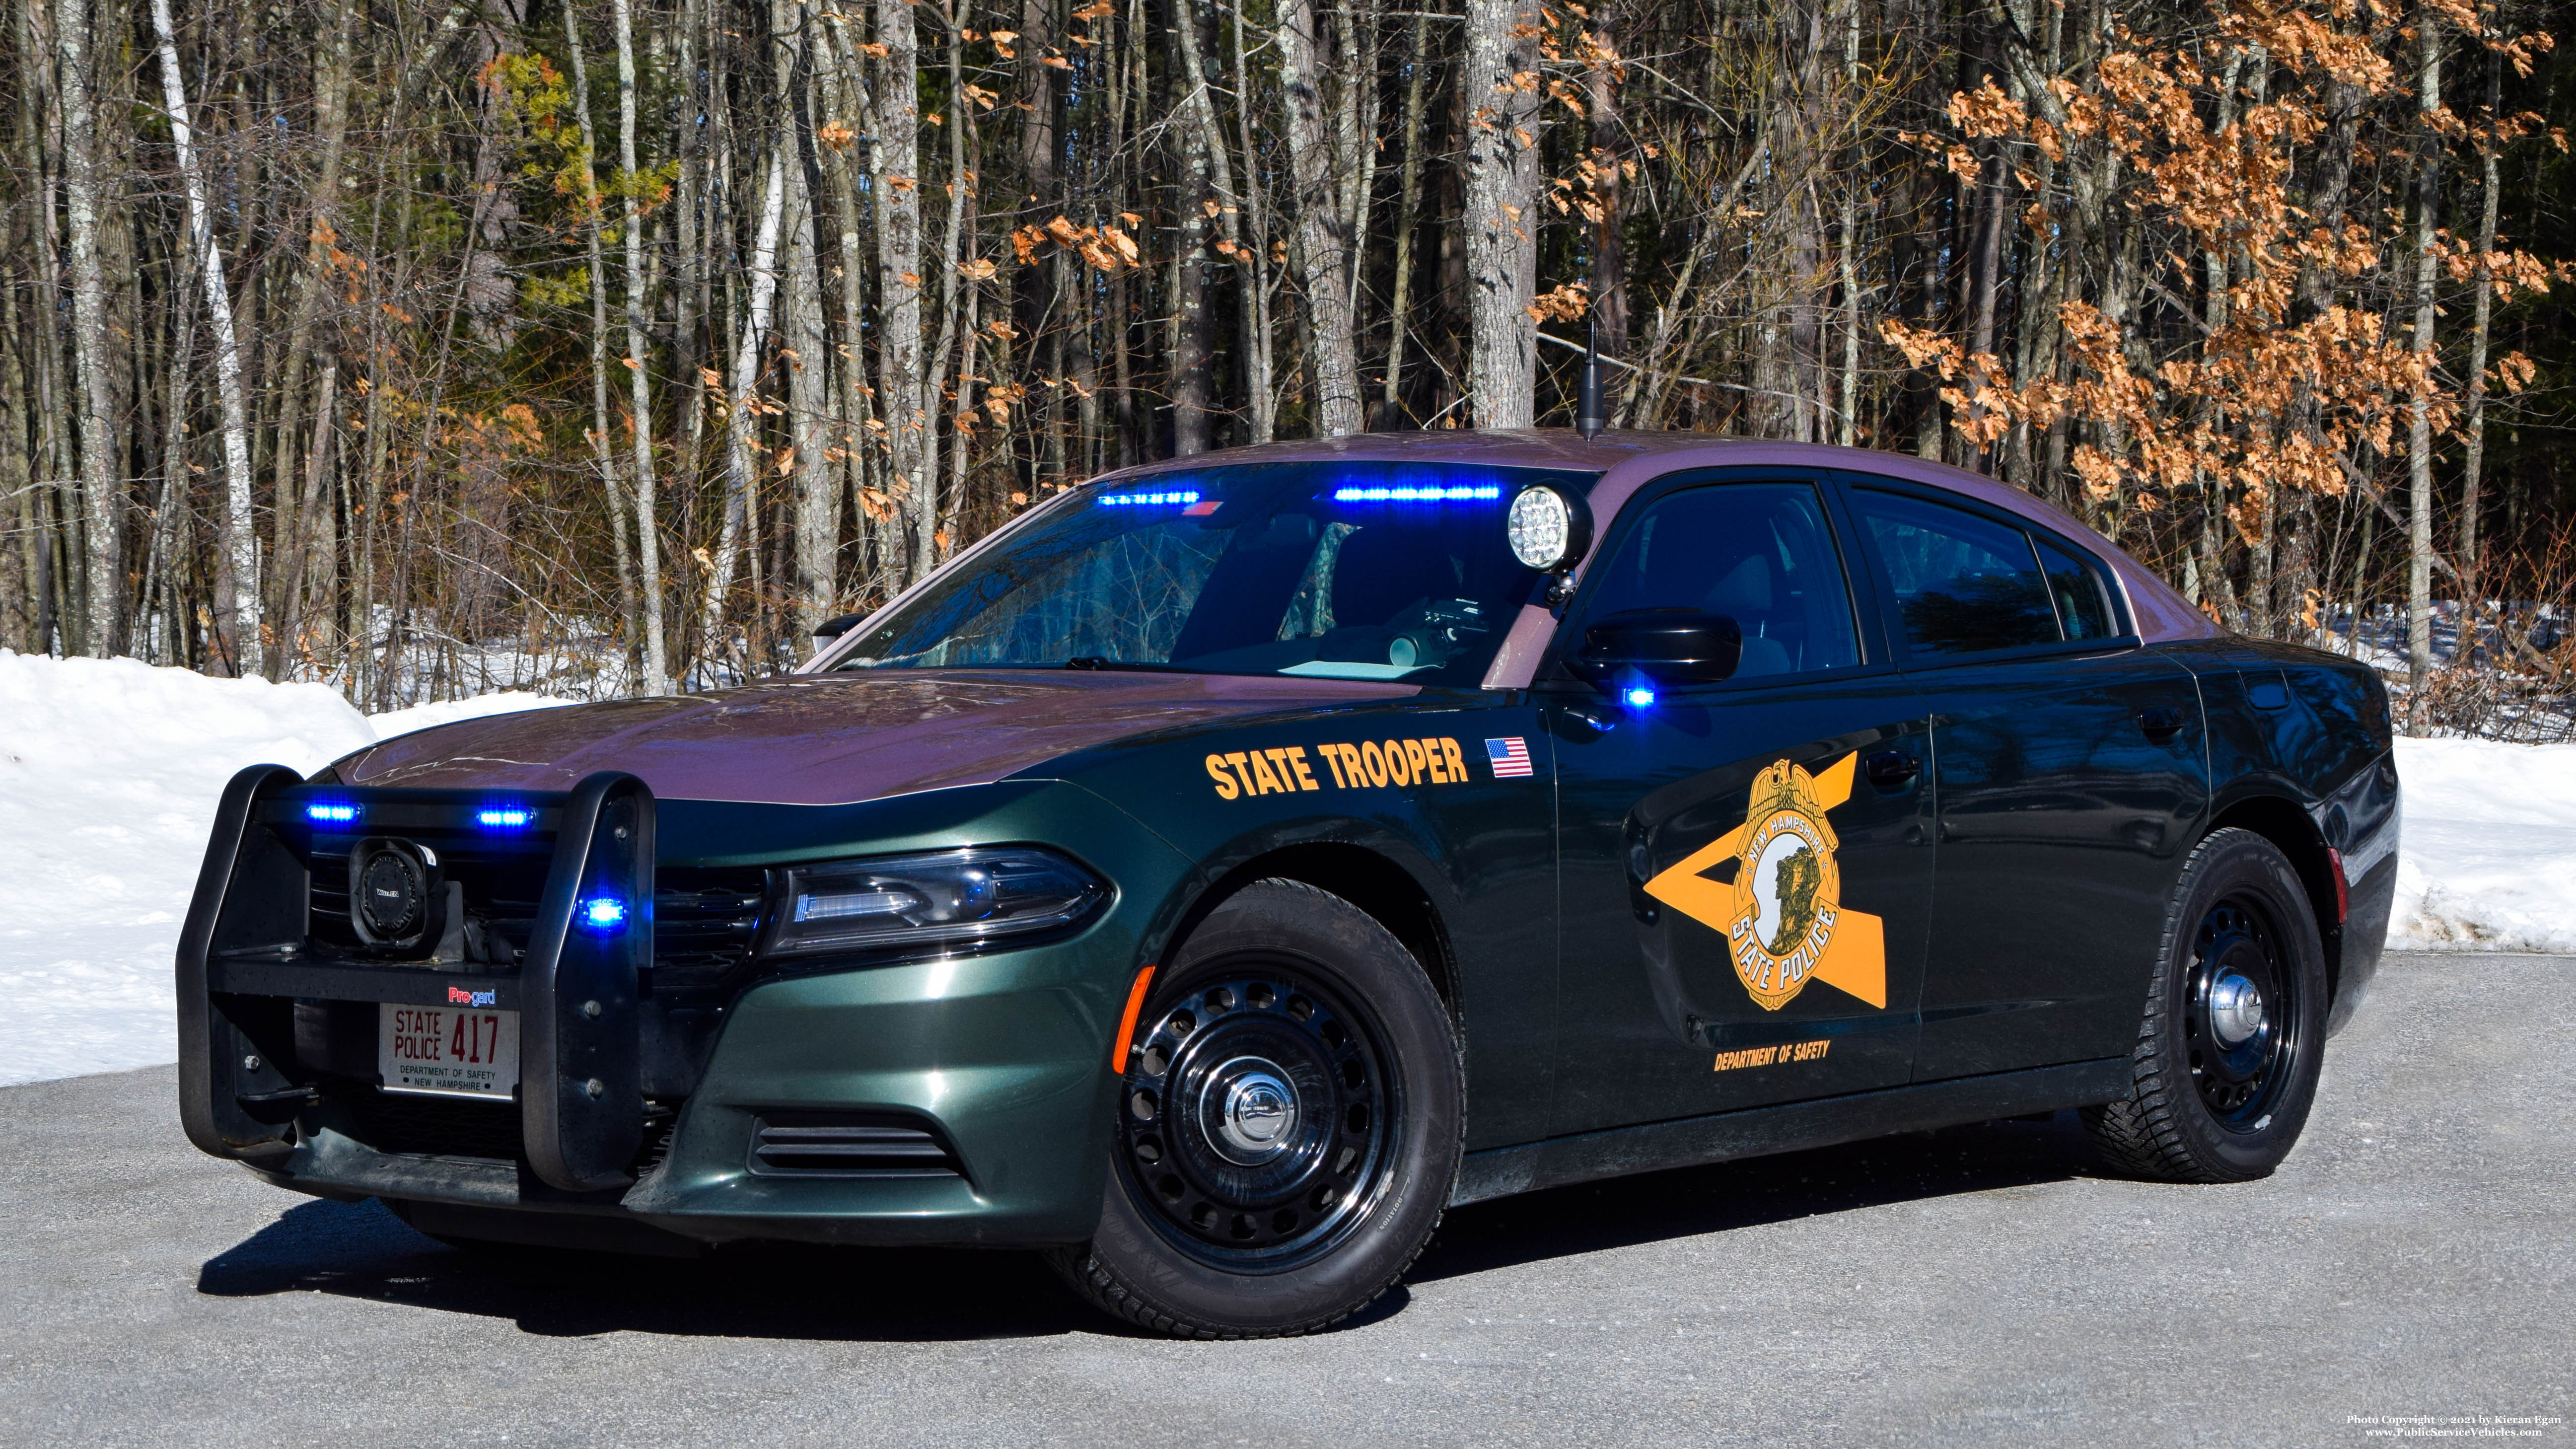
(1782, 915)
(459, 996)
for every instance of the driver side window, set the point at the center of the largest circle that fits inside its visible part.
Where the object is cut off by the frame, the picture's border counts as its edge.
(1759, 553)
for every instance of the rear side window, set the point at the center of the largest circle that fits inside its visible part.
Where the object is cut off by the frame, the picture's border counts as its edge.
(1963, 584)
(2082, 608)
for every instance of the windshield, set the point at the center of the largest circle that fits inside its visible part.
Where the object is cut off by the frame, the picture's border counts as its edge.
(1337, 570)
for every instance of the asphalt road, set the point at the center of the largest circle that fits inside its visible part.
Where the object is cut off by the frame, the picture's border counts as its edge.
(1980, 1285)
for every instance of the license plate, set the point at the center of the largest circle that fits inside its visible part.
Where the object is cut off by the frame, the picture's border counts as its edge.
(447, 1051)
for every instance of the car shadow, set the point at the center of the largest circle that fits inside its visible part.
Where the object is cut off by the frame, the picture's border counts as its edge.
(746, 1290)
(801, 1291)
(1748, 1192)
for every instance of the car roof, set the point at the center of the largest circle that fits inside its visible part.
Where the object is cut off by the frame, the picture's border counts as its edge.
(1626, 461)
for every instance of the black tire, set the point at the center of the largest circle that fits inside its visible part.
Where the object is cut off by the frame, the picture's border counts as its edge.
(2220, 1092)
(1289, 1128)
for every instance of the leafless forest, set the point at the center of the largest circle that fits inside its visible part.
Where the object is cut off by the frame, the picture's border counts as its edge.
(432, 346)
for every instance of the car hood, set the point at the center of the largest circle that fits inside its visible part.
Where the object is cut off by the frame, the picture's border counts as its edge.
(833, 739)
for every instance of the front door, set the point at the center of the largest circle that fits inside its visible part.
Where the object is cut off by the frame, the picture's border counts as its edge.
(2070, 783)
(1746, 868)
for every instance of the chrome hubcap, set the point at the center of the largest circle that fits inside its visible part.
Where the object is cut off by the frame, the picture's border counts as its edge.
(2235, 1009)
(1252, 1109)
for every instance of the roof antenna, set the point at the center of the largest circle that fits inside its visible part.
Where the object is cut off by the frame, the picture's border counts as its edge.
(1587, 403)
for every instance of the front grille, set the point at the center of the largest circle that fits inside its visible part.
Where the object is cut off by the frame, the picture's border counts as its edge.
(500, 894)
(704, 924)
(816, 1144)
(399, 1123)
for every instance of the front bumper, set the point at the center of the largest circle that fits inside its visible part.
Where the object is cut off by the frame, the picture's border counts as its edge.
(991, 1070)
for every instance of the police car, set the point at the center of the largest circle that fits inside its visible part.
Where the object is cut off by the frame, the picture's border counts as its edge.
(1229, 865)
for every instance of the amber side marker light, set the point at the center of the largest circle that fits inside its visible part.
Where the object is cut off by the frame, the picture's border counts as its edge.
(1127, 1023)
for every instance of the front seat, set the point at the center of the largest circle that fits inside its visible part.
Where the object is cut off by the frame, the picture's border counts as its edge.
(1744, 594)
(1382, 569)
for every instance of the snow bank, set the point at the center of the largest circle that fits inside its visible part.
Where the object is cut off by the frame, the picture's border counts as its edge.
(109, 772)
(2490, 853)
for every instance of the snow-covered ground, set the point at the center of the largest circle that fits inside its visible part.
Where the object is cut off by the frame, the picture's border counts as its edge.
(109, 771)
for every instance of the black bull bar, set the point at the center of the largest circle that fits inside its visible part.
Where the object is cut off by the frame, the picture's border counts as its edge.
(247, 953)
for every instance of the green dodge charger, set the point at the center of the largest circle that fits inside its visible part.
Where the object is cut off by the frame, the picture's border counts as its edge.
(1232, 863)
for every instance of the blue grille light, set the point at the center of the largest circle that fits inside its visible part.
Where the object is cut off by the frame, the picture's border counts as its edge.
(602, 913)
(1454, 493)
(505, 819)
(331, 814)
(1640, 697)
(1122, 500)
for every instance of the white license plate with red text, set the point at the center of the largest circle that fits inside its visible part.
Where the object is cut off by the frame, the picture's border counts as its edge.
(449, 1051)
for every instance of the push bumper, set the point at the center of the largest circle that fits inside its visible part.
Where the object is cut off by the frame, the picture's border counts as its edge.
(964, 1100)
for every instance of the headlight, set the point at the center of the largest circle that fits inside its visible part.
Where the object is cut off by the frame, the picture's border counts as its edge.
(953, 896)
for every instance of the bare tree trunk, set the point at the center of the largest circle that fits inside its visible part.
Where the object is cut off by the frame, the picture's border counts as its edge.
(1408, 215)
(741, 418)
(1501, 84)
(102, 487)
(2419, 432)
(813, 490)
(929, 540)
(897, 168)
(1193, 328)
(1323, 242)
(603, 448)
(237, 610)
(1260, 365)
(2473, 425)
(639, 356)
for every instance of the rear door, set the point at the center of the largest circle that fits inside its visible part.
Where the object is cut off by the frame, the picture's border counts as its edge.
(1743, 910)
(2070, 780)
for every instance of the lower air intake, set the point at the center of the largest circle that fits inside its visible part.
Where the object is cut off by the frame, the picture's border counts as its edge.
(848, 1145)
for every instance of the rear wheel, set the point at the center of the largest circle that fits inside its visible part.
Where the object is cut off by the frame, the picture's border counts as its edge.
(2226, 1064)
(1288, 1126)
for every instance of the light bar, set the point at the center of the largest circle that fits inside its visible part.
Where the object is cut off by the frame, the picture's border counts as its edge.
(1118, 500)
(1453, 493)
(504, 819)
(331, 814)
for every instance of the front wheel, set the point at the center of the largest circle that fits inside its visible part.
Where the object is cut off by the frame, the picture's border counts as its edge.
(2228, 1051)
(1288, 1127)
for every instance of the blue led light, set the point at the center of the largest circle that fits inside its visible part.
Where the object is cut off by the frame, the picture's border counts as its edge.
(1450, 493)
(331, 814)
(1123, 500)
(1640, 697)
(602, 913)
(505, 819)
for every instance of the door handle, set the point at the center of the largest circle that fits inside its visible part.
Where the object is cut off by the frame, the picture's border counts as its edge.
(1891, 769)
(2160, 723)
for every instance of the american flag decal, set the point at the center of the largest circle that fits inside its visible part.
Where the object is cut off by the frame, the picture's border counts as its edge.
(1510, 757)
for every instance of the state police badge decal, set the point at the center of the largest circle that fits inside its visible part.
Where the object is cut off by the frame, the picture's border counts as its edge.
(1782, 915)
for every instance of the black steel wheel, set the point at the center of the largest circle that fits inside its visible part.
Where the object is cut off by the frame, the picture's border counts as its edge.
(2239, 1019)
(1288, 1125)
(1259, 1115)
(2228, 1051)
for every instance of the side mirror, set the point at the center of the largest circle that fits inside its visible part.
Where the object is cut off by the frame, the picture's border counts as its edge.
(833, 628)
(1667, 646)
